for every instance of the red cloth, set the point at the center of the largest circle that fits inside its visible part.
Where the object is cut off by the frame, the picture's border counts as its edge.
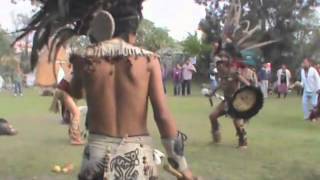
(64, 85)
(315, 112)
(283, 88)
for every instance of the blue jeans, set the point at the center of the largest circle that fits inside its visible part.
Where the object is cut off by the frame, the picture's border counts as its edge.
(214, 84)
(309, 98)
(17, 88)
(177, 88)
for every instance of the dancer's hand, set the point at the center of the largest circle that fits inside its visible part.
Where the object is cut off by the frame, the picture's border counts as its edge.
(187, 175)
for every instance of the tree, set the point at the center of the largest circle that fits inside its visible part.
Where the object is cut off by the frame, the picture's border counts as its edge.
(262, 20)
(154, 38)
(193, 46)
(4, 43)
(8, 63)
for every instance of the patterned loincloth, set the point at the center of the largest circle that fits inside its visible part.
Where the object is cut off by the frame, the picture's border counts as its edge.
(118, 158)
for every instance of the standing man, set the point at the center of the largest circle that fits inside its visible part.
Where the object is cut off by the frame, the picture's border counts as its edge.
(264, 76)
(213, 76)
(311, 83)
(249, 74)
(187, 71)
(283, 81)
(18, 80)
(119, 79)
(177, 79)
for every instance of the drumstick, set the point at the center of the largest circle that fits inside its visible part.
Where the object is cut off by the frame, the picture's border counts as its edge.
(211, 102)
(172, 171)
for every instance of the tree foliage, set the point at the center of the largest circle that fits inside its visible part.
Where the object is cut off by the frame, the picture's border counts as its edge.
(294, 22)
(154, 38)
(193, 46)
(7, 60)
(4, 43)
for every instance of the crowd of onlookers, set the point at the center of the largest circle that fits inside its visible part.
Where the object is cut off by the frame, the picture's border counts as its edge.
(182, 75)
(305, 81)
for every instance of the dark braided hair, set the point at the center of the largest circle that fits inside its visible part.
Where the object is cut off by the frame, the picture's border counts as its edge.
(63, 19)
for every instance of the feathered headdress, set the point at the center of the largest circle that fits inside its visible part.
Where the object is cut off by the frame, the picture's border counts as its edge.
(236, 33)
(62, 19)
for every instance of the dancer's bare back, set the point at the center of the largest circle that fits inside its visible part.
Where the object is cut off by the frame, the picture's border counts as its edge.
(117, 93)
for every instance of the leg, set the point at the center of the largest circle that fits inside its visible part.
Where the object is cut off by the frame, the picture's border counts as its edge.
(63, 109)
(20, 88)
(74, 127)
(189, 87)
(92, 163)
(15, 89)
(175, 88)
(264, 88)
(241, 133)
(164, 86)
(305, 104)
(179, 88)
(314, 102)
(183, 87)
(286, 90)
(215, 126)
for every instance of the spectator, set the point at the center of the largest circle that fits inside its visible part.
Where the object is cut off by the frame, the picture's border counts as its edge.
(177, 80)
(187, 71)
(250, 75)
(283, 81)
(297, 85)
(311, 83)
(213, 77)
(264, 77)
(17, 80)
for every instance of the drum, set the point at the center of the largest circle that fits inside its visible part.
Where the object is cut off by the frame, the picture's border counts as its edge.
(246, 103)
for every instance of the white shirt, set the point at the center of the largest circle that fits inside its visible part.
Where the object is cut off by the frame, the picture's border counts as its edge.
(311, 80)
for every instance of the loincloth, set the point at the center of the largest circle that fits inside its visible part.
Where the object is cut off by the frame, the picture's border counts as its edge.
(118, 158)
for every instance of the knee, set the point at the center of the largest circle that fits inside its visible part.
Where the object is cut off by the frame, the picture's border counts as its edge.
(238, 123)
(213, 117)
(76, 114)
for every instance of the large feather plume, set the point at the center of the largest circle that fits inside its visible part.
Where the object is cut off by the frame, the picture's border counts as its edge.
(62, 19)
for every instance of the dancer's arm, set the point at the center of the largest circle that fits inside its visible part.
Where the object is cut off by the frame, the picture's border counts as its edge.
(172, 140)
(77, 78)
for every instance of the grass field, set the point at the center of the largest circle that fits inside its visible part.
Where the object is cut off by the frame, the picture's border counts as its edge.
(281, 145)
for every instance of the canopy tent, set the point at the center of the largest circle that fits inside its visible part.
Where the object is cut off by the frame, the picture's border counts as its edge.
(251, 57)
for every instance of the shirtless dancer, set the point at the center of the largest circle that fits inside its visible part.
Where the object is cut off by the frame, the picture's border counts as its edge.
(63, 94)
(119, 80)
(230, 80)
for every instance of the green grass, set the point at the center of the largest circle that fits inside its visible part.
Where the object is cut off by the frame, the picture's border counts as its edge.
(281, 144)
